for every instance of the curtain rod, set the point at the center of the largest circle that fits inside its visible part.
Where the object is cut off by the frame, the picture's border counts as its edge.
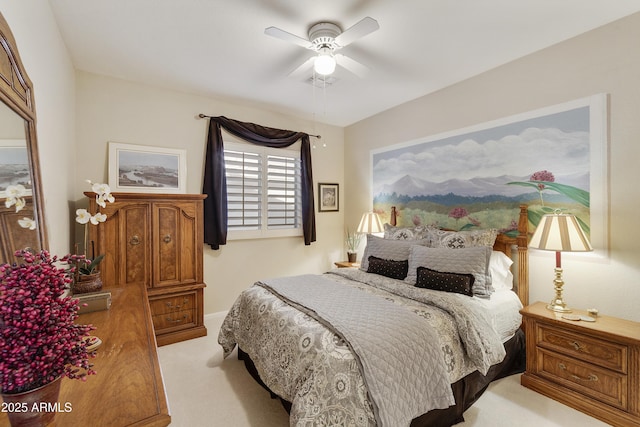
(204, 116)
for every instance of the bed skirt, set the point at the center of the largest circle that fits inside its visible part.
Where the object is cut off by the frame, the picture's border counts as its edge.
(466, 390)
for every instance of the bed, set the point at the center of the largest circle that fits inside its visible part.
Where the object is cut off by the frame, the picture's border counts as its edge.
(412, 337)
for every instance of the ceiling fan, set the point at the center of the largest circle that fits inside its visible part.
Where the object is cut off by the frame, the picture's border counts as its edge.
(325, 38)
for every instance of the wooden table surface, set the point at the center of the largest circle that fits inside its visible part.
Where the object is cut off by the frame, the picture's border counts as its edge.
(128, 388)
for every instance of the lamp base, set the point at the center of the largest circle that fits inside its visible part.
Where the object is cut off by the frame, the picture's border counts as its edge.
(558, 304)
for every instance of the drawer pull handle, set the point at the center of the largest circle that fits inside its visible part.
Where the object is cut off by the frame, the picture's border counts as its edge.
(135, 240)
(169, 319)
(167, 238)
(177, 307)
(590, 378)
(576, 345)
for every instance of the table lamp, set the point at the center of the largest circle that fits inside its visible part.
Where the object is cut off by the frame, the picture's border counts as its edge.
(560, 233)
(370, 223)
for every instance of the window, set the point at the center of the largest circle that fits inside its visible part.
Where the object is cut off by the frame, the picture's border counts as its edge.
(263, 191)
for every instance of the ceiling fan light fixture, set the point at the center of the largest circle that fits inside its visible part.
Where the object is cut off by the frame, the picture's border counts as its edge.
(325, 63)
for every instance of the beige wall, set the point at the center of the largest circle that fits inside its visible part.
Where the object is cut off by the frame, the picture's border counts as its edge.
(603, 61)
(48, 65)
(606, 60)
(109, 109)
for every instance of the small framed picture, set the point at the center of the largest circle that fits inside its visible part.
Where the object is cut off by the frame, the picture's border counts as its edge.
(145, 169)
(328, 195)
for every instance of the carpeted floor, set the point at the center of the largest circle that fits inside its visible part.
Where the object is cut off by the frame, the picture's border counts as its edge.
(206, 391)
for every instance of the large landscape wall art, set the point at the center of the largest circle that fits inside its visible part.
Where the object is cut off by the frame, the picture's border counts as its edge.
(550, 159)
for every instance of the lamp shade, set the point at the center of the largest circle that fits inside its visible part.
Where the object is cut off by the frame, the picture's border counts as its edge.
(370, 223)
(560, 233)
(325, 63)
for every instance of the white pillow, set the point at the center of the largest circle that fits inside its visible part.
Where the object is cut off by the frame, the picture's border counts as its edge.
(500, 268)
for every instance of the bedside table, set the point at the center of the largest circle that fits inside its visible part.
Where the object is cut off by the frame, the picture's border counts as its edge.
(347, 264)
(593, 367)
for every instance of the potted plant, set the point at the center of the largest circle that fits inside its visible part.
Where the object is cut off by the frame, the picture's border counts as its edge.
(353, 243)
(87, 277)
(39, 341)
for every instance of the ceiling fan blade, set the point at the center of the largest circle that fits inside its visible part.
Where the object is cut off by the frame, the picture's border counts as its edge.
(303, 68)
(362, 28)
(288, 37)
(352, 65)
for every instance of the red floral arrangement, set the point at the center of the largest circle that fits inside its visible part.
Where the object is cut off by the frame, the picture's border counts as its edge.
(38, 338)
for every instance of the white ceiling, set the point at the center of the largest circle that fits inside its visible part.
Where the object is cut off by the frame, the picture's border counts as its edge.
(218, 47)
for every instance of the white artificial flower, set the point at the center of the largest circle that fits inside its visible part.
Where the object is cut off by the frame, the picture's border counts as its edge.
(100, 188)
(20, 204)
(100, 201)
(16, 191)
(103, 194)
(98, 218)
(27, 223)
(82, 216)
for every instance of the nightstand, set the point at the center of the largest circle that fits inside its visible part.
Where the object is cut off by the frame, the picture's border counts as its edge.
(593, 367)
(347, 264)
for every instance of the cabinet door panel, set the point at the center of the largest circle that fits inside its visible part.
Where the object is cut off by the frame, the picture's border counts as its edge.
(175, 244)
(125, 240)
(166, 248)
(135, 252)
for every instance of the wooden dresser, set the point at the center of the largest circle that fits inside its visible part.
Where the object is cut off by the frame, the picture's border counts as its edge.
(155, 241)
(128, 388)
(593, 367)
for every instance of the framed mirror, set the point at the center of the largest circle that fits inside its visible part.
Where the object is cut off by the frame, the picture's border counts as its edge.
(21, 208)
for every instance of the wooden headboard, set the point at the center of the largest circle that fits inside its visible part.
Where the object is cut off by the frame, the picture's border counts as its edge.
(506, 244)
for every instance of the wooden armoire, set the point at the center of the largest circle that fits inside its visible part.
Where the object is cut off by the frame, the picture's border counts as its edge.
(155, 241)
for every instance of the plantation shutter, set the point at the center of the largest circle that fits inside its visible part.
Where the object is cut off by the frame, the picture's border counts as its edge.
(284, 195)
(244, 189)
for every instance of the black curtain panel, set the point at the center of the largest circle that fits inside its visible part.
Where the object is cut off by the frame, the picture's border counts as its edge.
(215, 183)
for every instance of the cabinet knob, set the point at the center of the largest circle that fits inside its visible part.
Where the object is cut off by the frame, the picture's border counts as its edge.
(135, 240)
(167, 238)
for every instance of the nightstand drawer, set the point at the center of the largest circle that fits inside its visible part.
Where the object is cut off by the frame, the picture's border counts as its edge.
(592, 350)
(602, 384)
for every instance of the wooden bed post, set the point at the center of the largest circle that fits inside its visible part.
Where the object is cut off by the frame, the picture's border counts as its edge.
(522, 241)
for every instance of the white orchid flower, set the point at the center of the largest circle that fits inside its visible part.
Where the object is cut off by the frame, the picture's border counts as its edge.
(16, 191)
(100, 188)
(82, 216)
(18, 201)
(98, 218)
(29, 223)
(103, 194)
(14, 195)
(20, 204)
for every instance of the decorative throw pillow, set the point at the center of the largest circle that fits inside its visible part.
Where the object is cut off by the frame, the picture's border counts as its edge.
(404, 233)
(396, 250)
(461, 239)
(464, 261)
(388, 268)
(447, 282)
